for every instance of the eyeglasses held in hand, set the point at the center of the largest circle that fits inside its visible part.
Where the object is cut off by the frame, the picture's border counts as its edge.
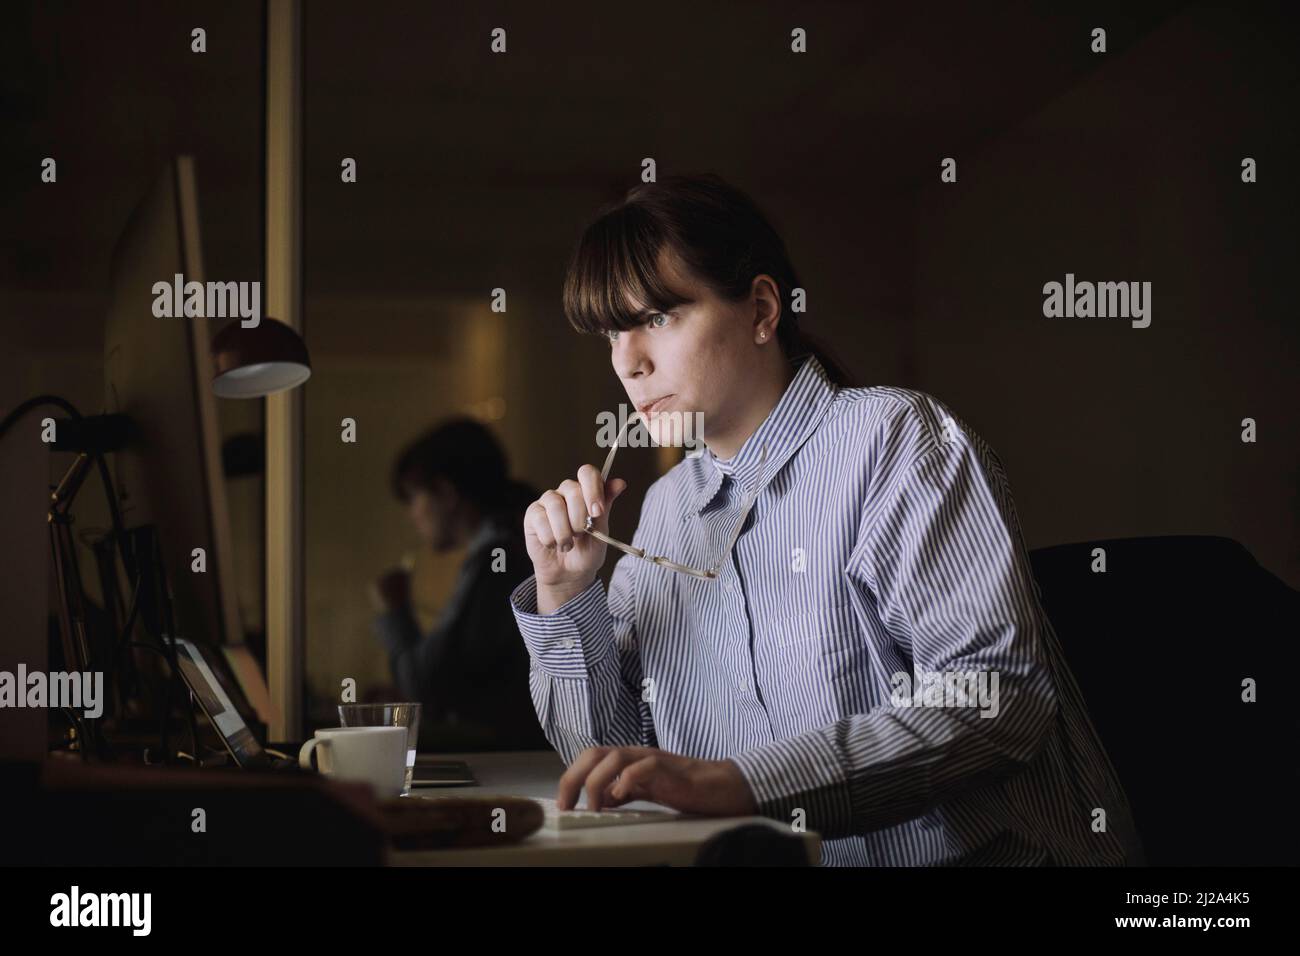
(707, 574)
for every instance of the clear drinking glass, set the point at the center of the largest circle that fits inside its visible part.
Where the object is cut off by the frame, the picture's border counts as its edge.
(387, 715)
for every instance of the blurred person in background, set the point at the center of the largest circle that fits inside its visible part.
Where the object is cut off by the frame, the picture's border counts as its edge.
(471, 670)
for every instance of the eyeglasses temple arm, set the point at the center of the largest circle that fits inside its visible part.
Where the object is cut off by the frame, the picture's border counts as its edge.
(609, 460)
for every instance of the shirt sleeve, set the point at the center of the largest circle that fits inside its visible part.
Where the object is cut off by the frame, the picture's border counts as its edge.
(941, 560)
(585, 676)
(399, 634)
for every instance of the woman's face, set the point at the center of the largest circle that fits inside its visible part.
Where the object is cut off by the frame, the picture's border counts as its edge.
(430, 512)
(700, 356)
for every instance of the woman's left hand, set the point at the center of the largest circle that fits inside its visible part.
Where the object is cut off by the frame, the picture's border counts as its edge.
(612, 776)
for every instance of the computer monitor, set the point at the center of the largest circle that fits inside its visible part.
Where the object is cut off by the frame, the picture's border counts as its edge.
(158, 371)
(201, 676)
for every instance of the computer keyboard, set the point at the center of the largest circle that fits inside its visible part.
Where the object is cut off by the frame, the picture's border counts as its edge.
(577, 819)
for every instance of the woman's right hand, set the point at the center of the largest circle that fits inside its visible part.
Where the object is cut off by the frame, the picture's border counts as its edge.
(565, 558)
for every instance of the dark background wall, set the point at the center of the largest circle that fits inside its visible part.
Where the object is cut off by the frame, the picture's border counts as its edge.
(478, 171)
(1134, 173)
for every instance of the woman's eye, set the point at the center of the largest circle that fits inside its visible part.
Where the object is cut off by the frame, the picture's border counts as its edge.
(656, 320)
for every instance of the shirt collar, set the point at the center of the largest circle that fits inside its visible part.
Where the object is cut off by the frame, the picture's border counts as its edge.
(785, 429)
(490, 529)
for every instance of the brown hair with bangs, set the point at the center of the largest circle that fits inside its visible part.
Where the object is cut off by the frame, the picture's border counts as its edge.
(714, 229)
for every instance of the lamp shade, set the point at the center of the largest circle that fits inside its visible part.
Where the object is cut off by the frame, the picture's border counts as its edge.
(249, 363)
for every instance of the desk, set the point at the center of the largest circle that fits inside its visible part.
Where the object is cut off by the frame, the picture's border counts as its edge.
(537, 774)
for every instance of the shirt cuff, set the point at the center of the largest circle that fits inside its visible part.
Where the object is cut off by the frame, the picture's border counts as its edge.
(800, 773)
(574, 638)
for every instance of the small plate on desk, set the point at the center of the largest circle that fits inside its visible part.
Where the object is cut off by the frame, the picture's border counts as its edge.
(432, 772)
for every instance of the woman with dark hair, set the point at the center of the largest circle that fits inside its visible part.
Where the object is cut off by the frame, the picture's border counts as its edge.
(828, 617)
(470, 671)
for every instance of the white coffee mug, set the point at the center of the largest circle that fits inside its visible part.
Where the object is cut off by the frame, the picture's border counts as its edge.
(373, 755)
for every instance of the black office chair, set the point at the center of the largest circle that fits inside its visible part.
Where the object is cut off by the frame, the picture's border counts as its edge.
(1160, 644)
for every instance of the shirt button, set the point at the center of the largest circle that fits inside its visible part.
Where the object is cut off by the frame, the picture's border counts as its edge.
(567, 642)
(744, 685)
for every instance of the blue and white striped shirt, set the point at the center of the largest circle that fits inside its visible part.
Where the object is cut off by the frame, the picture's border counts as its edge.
(882, 549)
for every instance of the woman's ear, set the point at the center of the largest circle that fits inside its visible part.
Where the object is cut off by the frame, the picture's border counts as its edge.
(767, 308)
